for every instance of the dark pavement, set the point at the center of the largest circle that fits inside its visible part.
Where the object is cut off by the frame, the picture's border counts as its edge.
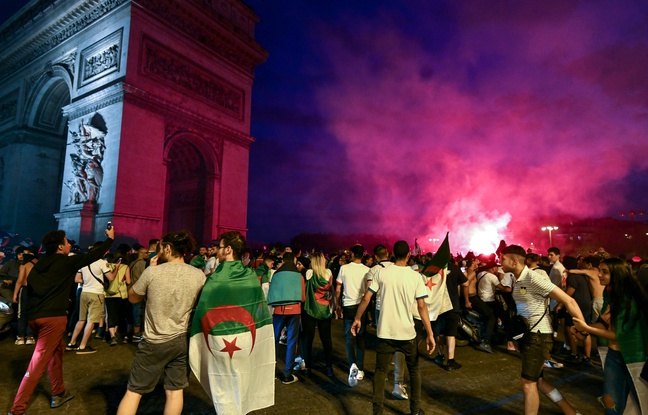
(487, 384)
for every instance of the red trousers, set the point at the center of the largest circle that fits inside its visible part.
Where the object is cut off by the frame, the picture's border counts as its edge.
(48, 354)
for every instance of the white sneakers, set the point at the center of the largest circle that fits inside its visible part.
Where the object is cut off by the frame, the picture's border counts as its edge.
(399, 391)
(353, 375)
(300, 364)
(360, 375)
(21, 341)
(552, 364)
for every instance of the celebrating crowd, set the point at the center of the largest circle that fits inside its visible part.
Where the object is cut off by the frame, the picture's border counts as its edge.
(230, 315)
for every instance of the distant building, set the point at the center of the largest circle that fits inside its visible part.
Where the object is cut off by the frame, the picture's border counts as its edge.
(131, 112)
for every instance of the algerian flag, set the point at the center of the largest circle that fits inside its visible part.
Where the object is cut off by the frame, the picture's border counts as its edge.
(231, 349)
(434, 276)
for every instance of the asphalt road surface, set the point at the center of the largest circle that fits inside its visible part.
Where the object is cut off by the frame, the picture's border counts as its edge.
(487, 384)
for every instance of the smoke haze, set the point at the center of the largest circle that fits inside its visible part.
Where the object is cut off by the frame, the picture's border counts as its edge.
(472, 117)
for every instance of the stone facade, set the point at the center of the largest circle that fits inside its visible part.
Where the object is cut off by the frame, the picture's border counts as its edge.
(135, 113)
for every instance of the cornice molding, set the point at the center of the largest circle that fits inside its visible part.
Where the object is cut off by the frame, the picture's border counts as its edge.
(18, 54)
(93, 103)
(223, 39)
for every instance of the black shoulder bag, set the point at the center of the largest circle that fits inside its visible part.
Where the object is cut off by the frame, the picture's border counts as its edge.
(519, 327)
(105, 282)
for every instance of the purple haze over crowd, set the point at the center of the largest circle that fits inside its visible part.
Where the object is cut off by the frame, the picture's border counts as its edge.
(475, 117)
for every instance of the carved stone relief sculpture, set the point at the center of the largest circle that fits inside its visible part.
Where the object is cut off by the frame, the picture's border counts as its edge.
(89, 148)
(100, 59)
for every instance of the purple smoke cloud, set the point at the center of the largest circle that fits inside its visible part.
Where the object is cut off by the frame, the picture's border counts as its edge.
(463, 116)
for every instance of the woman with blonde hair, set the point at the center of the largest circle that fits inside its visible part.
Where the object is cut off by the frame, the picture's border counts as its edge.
(317, 311)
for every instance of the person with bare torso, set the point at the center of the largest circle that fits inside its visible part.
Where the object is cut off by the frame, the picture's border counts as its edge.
(591, 270)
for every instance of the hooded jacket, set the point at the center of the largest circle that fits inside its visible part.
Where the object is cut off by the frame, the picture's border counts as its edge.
(50, 281)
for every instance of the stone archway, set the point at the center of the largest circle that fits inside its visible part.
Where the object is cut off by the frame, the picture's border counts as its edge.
(186, 202)
(44, 138)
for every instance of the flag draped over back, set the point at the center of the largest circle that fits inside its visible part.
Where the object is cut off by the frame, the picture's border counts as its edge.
(434, 275)
(318, 297)
(231, 349)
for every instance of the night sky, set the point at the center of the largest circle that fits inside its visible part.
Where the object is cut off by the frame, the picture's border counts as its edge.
(478, 117)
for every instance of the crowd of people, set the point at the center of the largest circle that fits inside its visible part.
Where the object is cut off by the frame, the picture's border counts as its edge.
(244, 311)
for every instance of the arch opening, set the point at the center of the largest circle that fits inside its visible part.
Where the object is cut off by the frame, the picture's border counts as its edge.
(186, 190)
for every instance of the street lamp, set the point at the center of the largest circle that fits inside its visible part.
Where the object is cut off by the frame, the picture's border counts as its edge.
(550, 228)
(435, 240)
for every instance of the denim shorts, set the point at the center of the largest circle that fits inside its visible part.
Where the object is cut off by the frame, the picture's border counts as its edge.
(534, 351)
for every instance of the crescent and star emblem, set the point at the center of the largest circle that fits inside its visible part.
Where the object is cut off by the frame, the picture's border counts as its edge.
(224, 313)
(431, 284)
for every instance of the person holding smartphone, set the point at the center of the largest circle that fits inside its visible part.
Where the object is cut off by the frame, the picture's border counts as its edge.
(48, 290)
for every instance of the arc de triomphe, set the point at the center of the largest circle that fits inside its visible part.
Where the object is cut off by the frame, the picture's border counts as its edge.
(131, 112)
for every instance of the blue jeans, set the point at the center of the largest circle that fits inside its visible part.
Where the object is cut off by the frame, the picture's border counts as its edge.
(138, 313)
(291, 323)
(617, 382)
(355, 345)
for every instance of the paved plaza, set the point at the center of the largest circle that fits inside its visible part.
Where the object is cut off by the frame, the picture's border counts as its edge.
(487, 384)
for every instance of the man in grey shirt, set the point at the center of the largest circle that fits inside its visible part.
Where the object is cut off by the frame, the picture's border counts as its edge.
(171, 288)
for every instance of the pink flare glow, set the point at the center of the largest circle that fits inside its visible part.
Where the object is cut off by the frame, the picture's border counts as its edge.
(485, 143)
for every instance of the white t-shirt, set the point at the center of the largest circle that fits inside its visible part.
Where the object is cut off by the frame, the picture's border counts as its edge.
(211, 265)
(373, 271)
(558, 274)
(530, 294)
(398, 288)
(90, 283)
(351, 276)
(486, 286)
(508, 279)
(558, 277)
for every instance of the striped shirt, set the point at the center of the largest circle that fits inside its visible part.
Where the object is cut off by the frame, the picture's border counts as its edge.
(530, 293)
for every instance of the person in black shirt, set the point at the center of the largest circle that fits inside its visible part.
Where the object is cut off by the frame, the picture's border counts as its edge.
(48, 291)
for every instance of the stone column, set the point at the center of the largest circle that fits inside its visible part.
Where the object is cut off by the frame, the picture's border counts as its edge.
(78, 222)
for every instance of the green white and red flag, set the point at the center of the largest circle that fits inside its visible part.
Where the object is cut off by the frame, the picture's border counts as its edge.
(434, 276)
(231, 348)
